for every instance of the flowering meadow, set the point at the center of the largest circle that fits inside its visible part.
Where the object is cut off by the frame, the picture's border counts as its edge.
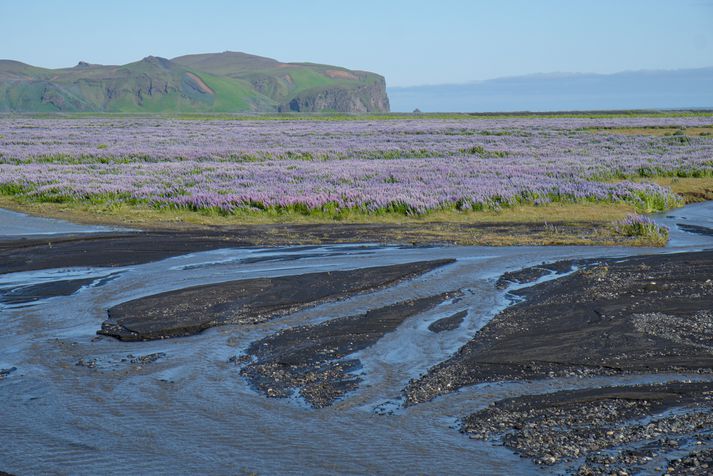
(409, 166)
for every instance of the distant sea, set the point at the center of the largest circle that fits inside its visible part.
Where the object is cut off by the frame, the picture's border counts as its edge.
(676, 89)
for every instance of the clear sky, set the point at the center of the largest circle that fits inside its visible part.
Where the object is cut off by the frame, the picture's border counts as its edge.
(411, 42)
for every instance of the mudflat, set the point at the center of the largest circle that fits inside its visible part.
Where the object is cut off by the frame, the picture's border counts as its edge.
(28, 294)
(106, 250)
(448, 323)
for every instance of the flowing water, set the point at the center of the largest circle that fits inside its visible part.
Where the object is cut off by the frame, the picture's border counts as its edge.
(13, 225)
(79, 404)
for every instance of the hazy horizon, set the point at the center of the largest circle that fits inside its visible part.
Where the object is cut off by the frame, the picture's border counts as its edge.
(662, 89)
(465, 82)
(549, 74)
(410, 43)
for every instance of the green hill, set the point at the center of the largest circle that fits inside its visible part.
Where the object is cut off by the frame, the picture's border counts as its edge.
(221, 82)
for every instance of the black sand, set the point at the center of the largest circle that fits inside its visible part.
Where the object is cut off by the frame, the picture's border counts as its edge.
(311, 358)
(124, 249)
(643, 314)
(448, 323)
(191, 310)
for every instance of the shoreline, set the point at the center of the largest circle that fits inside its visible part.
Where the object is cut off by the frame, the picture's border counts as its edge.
(555, 224)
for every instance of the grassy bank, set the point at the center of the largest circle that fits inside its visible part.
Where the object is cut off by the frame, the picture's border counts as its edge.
(660, 131)
(552, 224)
(583, 223)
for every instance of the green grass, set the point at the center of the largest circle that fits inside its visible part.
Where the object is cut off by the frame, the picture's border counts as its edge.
(305, 79)
(692, 189)
(234, 94)
(14, 196)
(553, 224)
(641, 202)
(641, 227)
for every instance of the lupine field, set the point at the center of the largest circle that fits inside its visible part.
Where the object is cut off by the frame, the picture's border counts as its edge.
(404, 166)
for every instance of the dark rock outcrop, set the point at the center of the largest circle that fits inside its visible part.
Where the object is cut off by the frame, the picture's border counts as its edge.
(362, 99)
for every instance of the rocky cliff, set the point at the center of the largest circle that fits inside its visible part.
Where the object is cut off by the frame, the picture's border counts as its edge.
(220, 82)
(361, 99)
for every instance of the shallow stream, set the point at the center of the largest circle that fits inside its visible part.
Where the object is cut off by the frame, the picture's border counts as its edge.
(77, 403)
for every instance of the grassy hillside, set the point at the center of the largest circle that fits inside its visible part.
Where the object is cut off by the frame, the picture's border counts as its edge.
(283, 82)
(208, 83)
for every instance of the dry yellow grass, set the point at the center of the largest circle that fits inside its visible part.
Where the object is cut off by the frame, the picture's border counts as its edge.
(554, 224)
(690, 188)
(656, 131)
(148, 217)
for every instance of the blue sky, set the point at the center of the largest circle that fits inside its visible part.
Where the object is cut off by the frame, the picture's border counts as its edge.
(410, 42)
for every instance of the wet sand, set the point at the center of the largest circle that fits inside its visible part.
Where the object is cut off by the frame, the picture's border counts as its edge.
(533, 273)
(642, 314)
(192, 310)
(105, 250)
(102, 249)
(701, 230)
(15, 224)
(311, 358)
(28, 294)
(449, 323)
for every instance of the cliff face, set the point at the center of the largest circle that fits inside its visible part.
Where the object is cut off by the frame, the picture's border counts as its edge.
(360, 99)
(221, 82)
(299, 87)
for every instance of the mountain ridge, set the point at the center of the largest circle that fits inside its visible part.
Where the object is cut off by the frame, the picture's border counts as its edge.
(208, 82)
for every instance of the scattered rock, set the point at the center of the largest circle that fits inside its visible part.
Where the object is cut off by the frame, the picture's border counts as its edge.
(88, 363)
(311, 359)
(569, 425)
(697, 463)
(146, 359)
(5, 372)
(239, 359)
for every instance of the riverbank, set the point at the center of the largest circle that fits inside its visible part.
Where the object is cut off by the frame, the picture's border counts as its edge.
(554, 224)
(545, 225)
